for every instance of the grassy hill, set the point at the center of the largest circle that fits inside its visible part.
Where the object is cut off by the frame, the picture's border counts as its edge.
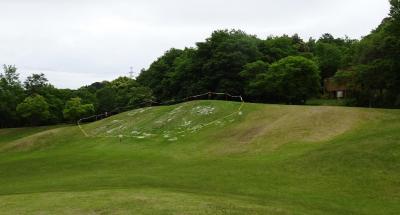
(207, 157)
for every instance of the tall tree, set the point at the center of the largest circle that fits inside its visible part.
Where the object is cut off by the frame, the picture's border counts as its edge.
(34, 83)
(292, 80)
(329, 58)
(74, 109)
(106, 99)
(276, 48)
(251, 73)
(10, 76)
(158, 76)
(11, 94)
(34, 109)
(379, 59)
(130, 92)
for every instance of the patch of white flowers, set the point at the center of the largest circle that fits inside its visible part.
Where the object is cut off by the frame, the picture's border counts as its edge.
(137, 111)
(203, 110)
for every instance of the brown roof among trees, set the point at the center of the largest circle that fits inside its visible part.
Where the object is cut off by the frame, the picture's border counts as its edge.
(331, 85)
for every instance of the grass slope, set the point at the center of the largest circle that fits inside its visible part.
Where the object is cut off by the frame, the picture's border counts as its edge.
(270, 159)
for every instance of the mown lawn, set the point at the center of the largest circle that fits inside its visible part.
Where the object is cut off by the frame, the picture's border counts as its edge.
(269, 159)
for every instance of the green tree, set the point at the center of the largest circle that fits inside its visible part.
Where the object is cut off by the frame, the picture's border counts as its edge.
(329, 58)
(75, 110)
(106, 99)
(292, 80)
(221, 58)
(10, 76)
(34, 109)
(11, 94)
(88, 96)
(213, 66)
(251, 73)
(159, 76)
(395, 10)
(129, 92)
(276, 48)
(378, 58)
(35, 83)
(184, 79)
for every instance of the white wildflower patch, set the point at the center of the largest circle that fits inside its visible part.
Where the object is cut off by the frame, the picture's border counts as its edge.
(148, 134)
(138, 111)
(218, 122)
(141, 135)
(172, 115)
(176, 110)
(166, 135)
(100, 129)
(195, 128)
(173, 139)
(203, 110)
(115, 129)
(186, 123)
(116, 121)
(159, 122)
(135, 132)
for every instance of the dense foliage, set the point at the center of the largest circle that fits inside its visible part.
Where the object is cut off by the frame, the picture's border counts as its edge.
(36, 102)
(238, 63)
(291, 79)
(378, 61)
(75, 110)
(279, 69)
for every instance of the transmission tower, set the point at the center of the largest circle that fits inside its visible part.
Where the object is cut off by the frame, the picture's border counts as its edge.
(131, 73)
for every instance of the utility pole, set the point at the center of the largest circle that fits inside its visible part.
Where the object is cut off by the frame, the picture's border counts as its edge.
(131, 73)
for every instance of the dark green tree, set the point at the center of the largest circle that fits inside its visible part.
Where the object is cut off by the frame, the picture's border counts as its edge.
(11, 94)
(160, 74)
(276, 48)
(251, 73)
(230, 51)
(106, 99)
(329, 58)
(75, 110)
(292, 80)
(129, 92)
(378, 56)
(35, 83)
(34, 109)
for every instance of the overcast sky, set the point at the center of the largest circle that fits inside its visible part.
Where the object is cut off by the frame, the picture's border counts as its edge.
(78, 42)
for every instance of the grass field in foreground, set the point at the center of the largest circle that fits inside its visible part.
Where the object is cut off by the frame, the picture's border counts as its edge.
(270, 159)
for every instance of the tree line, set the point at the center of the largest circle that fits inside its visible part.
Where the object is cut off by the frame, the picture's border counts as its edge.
(278, 69)
(37, 102)
(285, 69)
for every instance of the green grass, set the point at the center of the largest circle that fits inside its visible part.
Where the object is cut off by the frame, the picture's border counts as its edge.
(271, 159)
(327, 102)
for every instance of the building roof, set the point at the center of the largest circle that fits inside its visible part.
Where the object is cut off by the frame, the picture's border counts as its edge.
(331, 85)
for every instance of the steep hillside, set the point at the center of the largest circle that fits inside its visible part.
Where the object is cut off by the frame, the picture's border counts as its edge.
(207, 157)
